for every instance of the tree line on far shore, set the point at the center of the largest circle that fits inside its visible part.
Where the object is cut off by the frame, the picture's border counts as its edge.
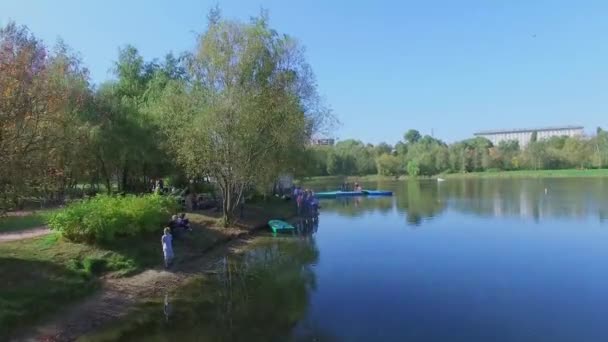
(237, 109)
(426, 155)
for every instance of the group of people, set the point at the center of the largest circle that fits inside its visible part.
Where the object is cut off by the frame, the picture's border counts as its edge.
(306, 201)
(179, 223)
(351, 187)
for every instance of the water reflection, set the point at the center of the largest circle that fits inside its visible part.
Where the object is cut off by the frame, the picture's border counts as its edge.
(419, 200)
(257, 296)
(167, 309)
(358, 206)
(529, 198)
(307, 226)
(534, 199)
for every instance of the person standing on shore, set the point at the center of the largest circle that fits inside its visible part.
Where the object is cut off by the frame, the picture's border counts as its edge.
(299, 202)
(167, 243)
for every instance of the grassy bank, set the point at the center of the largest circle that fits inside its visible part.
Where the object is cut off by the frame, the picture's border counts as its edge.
(572, 173)
(13, 222)
(569, 173)
(341, 179)
(42, 275)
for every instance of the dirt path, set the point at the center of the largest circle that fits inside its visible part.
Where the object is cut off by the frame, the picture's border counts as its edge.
(24, 234)
(119, 295)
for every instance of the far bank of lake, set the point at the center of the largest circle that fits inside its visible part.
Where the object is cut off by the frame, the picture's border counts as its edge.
(564, 173)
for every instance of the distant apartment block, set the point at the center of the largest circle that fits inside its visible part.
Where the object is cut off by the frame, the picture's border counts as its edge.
(323, 142)
(523, 136)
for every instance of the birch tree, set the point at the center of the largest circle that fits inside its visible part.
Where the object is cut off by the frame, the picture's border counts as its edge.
(248, 109)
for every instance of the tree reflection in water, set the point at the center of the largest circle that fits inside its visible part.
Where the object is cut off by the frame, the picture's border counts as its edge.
(259, 295)
(358, 206)
(423, 199)
(419, 200)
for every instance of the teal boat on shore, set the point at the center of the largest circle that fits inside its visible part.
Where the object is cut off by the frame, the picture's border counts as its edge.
(279, 225)
(332, 194)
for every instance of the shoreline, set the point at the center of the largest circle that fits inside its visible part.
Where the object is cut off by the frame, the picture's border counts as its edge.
(116, 296)
(565, 173)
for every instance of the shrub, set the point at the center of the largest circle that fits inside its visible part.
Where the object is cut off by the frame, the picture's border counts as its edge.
(94, 266)
(104, 218)
(412, 168)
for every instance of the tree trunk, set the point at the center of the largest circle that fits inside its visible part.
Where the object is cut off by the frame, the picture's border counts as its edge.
(226, 207)
(125, 172)
(106, 175)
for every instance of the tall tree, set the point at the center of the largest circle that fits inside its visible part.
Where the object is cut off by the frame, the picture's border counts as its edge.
(250, 107)
(600, 148)
(412, 136)
(382, 148)
(41, 95)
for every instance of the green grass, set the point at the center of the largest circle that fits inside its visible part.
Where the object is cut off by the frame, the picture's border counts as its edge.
(567, 173)
(574, 173)
(41, 275)
(17, 223)
(37, 279)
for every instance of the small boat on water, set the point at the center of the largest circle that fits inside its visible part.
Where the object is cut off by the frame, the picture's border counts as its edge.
(377, 192)
(440, 179)
(278, 225)
(332, 194)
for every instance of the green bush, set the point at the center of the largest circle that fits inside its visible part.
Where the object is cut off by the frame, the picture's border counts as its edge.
(94, 266)
(103, 218)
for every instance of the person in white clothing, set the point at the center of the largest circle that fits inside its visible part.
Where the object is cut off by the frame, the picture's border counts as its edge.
(167, 242)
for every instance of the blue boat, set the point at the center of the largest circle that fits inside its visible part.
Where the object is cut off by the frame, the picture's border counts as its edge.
(378, 192)
(332, 194)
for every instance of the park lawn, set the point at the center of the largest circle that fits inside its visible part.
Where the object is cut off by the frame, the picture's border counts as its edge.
(16, 223)
(41, 275)
(566, 173)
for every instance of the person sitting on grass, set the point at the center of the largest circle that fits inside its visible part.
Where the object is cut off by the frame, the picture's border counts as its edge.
(183, 222)
(174, 224)
(167, 243)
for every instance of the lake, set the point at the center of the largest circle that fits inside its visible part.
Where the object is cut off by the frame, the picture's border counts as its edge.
(460, 260)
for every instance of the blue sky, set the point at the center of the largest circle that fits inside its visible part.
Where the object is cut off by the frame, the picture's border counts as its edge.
(448, 67)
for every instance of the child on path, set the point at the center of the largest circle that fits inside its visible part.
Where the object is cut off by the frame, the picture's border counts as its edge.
(167, 242)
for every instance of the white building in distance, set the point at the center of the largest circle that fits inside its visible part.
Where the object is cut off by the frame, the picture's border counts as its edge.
(323, 142)
(523, 136)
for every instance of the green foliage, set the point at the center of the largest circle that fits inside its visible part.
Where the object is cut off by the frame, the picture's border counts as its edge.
(382, 148)
(412, 168)
(352, 157)
(412, 136)
(432, 156)
(388, 165)
(94, 266)
(247, 111)
(104, 218)
(599, 145)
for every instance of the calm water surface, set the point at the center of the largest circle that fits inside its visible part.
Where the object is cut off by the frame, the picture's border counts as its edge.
(461, 260)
